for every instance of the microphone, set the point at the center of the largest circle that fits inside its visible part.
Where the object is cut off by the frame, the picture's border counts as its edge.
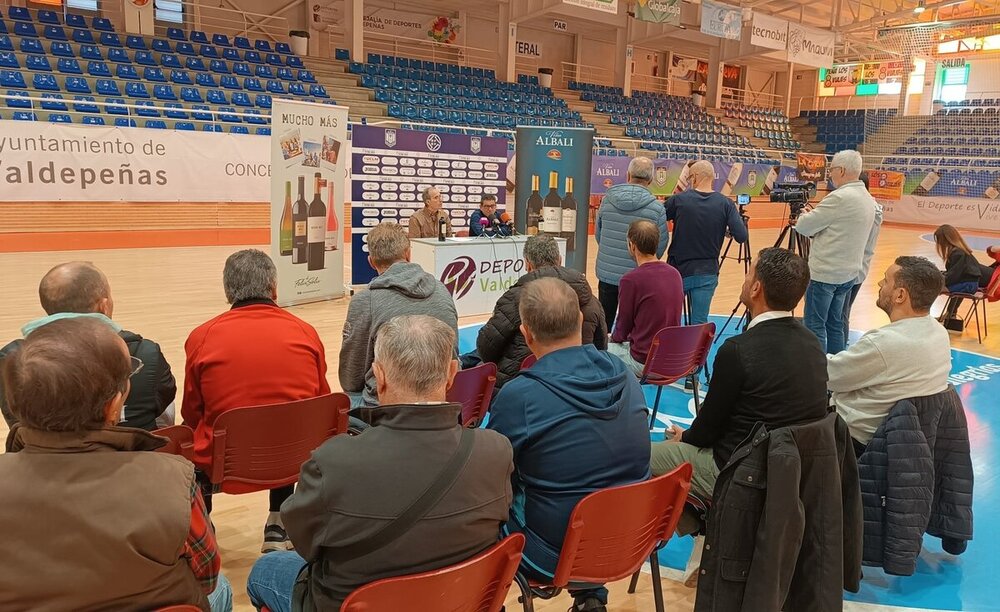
(484, 225)
(506, 219)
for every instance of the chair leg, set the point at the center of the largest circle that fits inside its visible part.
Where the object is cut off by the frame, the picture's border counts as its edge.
(654, 570)
(656, 406)
(979, 331)
(522, 583)
(986, 327)
(635, 581)
(697, 402)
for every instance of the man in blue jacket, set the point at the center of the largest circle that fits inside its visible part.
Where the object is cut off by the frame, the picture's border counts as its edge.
(488, 211)
(577, 423)
(622, 205)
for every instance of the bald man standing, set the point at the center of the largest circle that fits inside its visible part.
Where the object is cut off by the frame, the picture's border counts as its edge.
(79, 289)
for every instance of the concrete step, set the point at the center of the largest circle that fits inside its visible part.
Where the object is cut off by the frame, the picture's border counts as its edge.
(351, 94)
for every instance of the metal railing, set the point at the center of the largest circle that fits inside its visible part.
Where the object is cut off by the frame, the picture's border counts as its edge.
(416, 48)
(228, 18)
(843, 103)
(648, 82)
(750, 97)
(582, 73)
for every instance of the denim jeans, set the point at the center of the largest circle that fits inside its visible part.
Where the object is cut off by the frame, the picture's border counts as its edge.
(825, 313)
(272, 578)
(853, 295)
(221, 599)
(700, 289)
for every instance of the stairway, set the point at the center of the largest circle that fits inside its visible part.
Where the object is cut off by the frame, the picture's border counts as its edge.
(346, 89)
(602, 122)
(734, 123)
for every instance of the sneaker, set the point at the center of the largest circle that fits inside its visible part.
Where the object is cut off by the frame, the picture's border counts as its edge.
(275, 538)
(588, 604)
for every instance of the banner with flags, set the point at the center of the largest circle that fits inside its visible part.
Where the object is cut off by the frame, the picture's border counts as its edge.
(659, 11)
(721, 20)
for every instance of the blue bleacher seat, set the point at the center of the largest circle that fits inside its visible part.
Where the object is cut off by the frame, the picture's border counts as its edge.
(242, 42)
(91, 52)
(221, 40)
(226, 114)
(154, 74)
(216, 96)
(156, 124)
(199, 114)
(212, 128)
(191, 94)
(5, 43)
(145, 58)
(169, 60)
(275, 87)
(25, 30)
(54, 32)
(126, 71)
(161, 46)
(9, 60)
(110, 39)
(274, 59)
(306, 77)
(24, 116)
(262, 101)
(135, 42)
(37, 63)
(282, 48)
(297, 89)
(174, 111)
(124, 122)
(294, 61)
(262, 45)
(146, 109)
(51, 101)
(318, 91)
(83, 37)
(76, 21)
(3, 27)
(263, 131)
(186, 126)
(164, 92)
(184, 48)
(85, 104)
(136, 90)
(180, 77)
(98, 69)
(343, 55)
(48, 17)
(176, 34)
(93, 120)
(77, 85)
(61, 49)
(199, 37)
(102, 24)
(45, 82)
(253, 57)
(32, 45)
(242, 69)
(14, 99)
(194, 63)
(229, 82)
(219, 66)
(239, 129)
(286, 74)
(255, 117)
(119, 56)
(356, 68)
(208, 51)
(232, 55)
(114, 106)
(252, 84)
(241, 99)
(264, 72)
(204, 79)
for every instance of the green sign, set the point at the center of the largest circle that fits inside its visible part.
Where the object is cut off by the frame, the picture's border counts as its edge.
(659, 11)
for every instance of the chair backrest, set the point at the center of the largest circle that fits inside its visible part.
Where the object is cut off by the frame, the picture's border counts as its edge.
(477, 585)
(180, 441)
(992, 290)
(528, 361)
(473, 388)
(677, 352)
(263, 447)
(613, 531)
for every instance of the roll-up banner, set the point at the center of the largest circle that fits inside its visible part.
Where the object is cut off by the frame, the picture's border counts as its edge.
(309, 150)
(553, 186)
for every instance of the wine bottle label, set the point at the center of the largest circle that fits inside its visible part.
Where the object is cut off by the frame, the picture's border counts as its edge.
(552, 219)
(300, 228)
(569, 220)
(317, 230)
(285, 243)
(929, 181)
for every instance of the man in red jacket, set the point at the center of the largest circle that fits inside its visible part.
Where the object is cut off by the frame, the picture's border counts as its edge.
(254, 354)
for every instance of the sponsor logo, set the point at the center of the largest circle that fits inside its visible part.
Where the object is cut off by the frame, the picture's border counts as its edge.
(390, 138)
(554, 154)
(433, 143)
(476, 144)
(458, 276)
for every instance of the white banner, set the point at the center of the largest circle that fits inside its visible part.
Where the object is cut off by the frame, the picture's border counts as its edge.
(46, 162)
(525, 48)
(963, 213)
(721, 20)
(605, 6)
(769, 32)
(810, 46)
(309, 153)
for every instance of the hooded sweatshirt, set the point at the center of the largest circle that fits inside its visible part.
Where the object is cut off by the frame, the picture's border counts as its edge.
(622, 205)
(403, 289)
(577, 422)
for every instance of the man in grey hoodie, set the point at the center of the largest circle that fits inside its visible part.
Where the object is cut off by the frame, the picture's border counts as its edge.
(401, 288)
(622, 205)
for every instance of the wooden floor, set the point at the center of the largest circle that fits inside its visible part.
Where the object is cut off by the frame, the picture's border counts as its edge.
(164, 293)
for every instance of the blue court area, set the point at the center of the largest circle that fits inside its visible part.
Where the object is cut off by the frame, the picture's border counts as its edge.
(970, 582)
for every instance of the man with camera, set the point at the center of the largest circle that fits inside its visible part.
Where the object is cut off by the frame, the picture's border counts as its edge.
(839, 228)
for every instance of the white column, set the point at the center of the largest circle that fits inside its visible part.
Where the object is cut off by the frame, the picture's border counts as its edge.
(788, 89)
(623, 59)
(714, 93)
(354, 32)
(927, 93)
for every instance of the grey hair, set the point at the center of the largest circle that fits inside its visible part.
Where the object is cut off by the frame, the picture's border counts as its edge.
(641, 168)
(550, 309)
(415, 351)
(850, 160)
(702, 167)
(541, 250)
(249, 274)
(425, 195)
(387, 243)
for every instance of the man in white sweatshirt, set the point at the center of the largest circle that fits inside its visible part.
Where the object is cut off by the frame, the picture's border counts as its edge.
(909, 357)
(839, 228)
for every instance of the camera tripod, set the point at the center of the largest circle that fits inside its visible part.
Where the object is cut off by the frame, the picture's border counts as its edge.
(743, 252)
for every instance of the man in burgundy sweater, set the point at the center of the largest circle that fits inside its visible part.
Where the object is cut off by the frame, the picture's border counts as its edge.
(253, 354)
(650, 297)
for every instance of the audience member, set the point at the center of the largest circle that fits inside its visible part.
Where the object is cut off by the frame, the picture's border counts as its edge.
(98, 523)
(840, 228)
(962, 271)
(79, 289)
(424, 223)
(577, 422)
(487, 211)
(650, 297)
(339, 524)
(500, 340)
(701, 219)
(774, 372)
(254, 354)
(401, 288)
(909, 357)
(866, 263)
(621, 205)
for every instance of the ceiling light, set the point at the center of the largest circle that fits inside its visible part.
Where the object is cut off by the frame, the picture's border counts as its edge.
(920, 8)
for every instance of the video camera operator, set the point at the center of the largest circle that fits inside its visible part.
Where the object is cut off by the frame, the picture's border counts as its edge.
(839, 227)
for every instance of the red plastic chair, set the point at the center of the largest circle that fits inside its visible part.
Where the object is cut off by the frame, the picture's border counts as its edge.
(528, 361)
(180, 441)
(613, 531)
(477, 585)
(257, 448)
(473, 388)
(676, 353)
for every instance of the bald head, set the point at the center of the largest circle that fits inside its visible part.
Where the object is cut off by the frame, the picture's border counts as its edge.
(702, 175)
(75, 286)
(550, 310)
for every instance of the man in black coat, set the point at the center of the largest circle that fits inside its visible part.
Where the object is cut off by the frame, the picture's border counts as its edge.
(80, 289)
(500, 340)
(774, 373)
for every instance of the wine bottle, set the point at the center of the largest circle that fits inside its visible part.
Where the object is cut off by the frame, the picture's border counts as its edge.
(332, 223)
(534, 207)
(552, 207)
(569, 217)
(316, 232)
(285, 228)
(300, 221)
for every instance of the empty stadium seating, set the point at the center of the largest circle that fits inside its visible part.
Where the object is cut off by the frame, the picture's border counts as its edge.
(843, 129)
(767, 123)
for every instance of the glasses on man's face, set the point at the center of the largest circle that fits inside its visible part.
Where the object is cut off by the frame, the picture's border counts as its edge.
(485, 205)
(136, 366)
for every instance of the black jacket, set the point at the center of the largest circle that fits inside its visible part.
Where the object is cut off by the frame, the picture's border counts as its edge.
(784, 532)
(916, 477)
(962, 267)
(153, 388)
(775, 373)
(500, 340)
(355, 485)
